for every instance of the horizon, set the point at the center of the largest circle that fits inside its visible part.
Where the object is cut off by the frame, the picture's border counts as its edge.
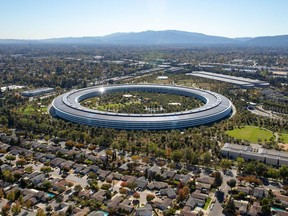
(87, 36)
(34, 20)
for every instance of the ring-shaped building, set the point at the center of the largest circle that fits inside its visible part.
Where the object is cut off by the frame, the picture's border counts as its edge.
(67, 106)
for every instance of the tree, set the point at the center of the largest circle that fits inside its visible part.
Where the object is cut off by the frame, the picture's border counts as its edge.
(266, 206)
(46, 169)
(1, 193)
(28, 169)
(177, 155)
(70, 144)
(10, 157)
(226, 164)
(206, 158)
(77, 188)
(240, 163)
(136, 195)
(16, 208)
(183, 194)
(21, 162)
(40, 212)
(8, 176)
(273, 173)
(150, 197)
(283, 172)
(231, 183)
(261, 169)
(11, 196)
(250, 168)
(5, 209)
(218, 179)
(230, 208)
(123, 190)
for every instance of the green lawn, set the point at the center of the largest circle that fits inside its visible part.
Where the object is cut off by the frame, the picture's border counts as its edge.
(285, 138)
(251, 134)
(207, 203)
(31, 109)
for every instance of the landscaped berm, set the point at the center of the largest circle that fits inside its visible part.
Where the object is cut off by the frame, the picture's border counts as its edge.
(251, 134)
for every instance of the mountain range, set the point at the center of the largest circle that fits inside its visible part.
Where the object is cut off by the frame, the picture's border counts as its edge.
(167, 37)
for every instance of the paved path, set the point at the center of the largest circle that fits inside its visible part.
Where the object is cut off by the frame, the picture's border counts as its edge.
(223, 192)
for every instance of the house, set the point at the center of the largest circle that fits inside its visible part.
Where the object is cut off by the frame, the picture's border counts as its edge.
(84, 211)
(92, 158)
(255, 209)
(206, 180)
(141, 182)
(168, 174)
(4, 147)
(103, 174)
(203, 186)
(117, 176)
(126, 206)
(37, 179)
(62, 151)
(141, 169)
(178, 177)
(199, 198)
(259, 192)
(39, 155)
(186, 179)
(93, 168)
(84, 194)
(123, 167)
(245, 189)
(186, 211)
(282, 198)
(154, 170)
(66, 165)
(169, 192)
(5, 167)
(191, 203)
(163, 204)
(84, 171)
(56, 162)
(144, 211)
(242, 206)
(99, 196)
(114, 203)
(78, 167)
(157, 185)
(128, 179)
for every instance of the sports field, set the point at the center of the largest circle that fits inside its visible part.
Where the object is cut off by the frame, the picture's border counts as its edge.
(251, 134)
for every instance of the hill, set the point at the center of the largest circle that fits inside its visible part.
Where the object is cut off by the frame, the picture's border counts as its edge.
(167, 37)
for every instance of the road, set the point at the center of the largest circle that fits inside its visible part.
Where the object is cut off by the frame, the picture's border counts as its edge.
(223, 192)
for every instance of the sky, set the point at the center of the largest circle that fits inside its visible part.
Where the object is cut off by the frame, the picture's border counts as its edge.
(40, 19)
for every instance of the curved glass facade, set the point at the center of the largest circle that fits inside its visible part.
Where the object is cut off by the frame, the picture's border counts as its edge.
(67, 107)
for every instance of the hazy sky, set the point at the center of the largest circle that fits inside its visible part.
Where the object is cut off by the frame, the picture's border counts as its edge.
(31, 19)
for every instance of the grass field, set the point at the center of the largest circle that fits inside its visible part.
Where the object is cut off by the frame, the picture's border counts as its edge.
(251, 134)
(31, 109)
(284, 137)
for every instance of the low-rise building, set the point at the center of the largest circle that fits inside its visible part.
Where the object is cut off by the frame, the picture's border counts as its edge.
(268, 156)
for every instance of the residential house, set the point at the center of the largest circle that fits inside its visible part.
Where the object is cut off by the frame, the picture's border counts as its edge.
(141, 182)
(99, 196)
(168, 174)
(163, 204)
(126, 206)
(255, 209)
(114, 202)
(157, 185)
(169, 192)
(242, 205)
(144, 211)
